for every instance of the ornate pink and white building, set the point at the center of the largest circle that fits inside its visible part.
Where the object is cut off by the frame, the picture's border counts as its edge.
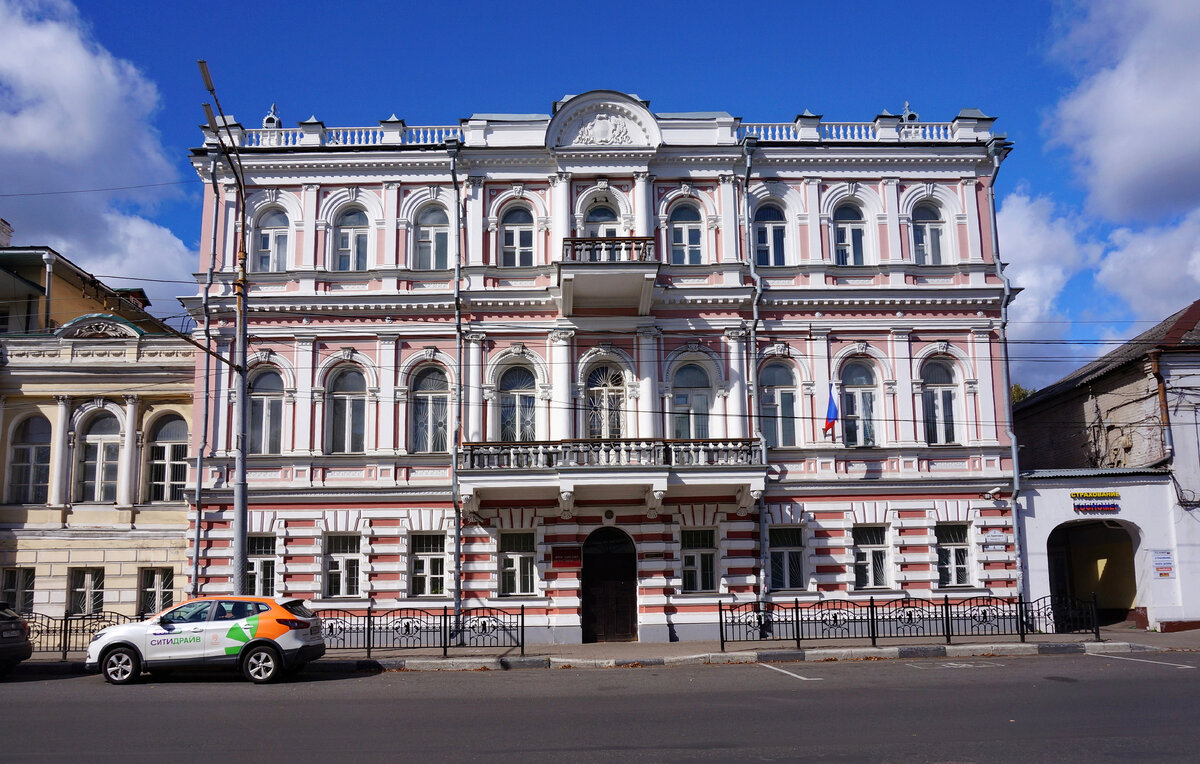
(606, 340)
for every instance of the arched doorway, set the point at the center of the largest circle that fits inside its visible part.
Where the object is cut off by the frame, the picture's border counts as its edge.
(609, 583)
(1095, 556)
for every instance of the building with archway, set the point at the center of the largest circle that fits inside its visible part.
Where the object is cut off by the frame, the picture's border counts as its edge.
(623, 425)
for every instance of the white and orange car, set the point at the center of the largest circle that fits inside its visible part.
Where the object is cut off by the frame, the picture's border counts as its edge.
(259, 636)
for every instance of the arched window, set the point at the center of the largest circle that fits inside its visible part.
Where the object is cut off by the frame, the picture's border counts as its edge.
(266, 413)
(858, 404)
(518, 420)
(348, 412)
(430, 411)
(686, 234)
(849, 232)
(689, 409)
(778, 405)
(516, 238)
(270, 243)
(937, 379)
(601, 222)
(927, 235)
(29, 462)
(350, 235)
(605, 403)
(769, 232)
(432, 237)
(168, 458)
(99, 453)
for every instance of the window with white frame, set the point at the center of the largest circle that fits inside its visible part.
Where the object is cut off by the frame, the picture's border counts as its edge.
(270, 242)
(605, 402)
(777, 403)
(927, 235)
(953, 555)
(692, 393)
(427, 564)
(433, 240)
(343, 563)
(858, 404)
(430, 411)
(156, 589)
(260, 565)
(85, 591)
(937, 398)
(348, 412)
(870, 556)
(600, 222)
(686, 231)
(769, 235)
(849, 234)
(699, 559)
(518, 412)
(168, 459)
(350, 236)
(787, 557)
(29, 462)
(100, 452)
(266, 413)
(17, 589)
(516, 239)
(517, 570)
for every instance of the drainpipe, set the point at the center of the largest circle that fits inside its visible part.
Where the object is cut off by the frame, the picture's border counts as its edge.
(1163, 409)
(998, 149)
(748, 145)
(452, 148)
(207, 382)
(48, 259)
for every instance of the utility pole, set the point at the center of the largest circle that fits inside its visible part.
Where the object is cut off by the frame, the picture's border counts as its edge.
(240, 332)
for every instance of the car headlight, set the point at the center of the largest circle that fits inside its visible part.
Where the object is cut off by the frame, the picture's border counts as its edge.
(97, 635)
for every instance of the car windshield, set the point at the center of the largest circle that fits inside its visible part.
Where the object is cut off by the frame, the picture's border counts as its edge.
(296, 607)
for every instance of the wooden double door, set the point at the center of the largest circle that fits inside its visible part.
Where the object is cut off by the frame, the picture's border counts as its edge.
(609, 583)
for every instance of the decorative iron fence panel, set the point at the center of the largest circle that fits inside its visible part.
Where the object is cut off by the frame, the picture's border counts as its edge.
(70, 633)
(413, 628)
(906, 617)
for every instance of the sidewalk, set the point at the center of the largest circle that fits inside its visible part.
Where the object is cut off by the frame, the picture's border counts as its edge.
(1119, 638)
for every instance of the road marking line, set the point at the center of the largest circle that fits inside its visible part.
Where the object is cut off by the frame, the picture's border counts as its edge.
(797, 676)
(1141, 660)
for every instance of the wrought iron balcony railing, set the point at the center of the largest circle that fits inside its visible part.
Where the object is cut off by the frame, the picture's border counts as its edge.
(620, 249)
(568, 454)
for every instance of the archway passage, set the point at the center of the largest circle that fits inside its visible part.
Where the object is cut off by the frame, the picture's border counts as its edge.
(1094, 556)
(609, 583)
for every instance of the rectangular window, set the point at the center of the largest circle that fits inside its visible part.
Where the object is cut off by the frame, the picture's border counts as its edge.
(156, 590)
(858, 417)
(699, 560)
(342, 566)
(29, 474)
(939, 415)
(427, 553)
(779, 417)
(86, 593)
(168, 471)
(953, 555)
(260, 565)
(787, 558)
(517, 563)
(99, 472)
(17, 588)
(870, 556)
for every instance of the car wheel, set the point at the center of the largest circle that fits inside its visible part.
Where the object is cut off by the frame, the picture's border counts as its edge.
(262, 665)
(121, 666)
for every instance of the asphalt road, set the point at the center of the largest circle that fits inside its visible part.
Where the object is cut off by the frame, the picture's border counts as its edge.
(1060, 708)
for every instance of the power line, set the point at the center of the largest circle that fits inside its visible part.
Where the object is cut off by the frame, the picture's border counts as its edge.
(98, 190)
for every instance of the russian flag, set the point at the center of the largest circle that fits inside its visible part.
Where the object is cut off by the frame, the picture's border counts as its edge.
(831, 413)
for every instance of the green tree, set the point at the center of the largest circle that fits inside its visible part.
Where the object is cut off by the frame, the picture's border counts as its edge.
(1019, 393)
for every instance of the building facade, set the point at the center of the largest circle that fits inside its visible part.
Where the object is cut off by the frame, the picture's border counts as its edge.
(583, 361)
(95, 408)
(1110, 498)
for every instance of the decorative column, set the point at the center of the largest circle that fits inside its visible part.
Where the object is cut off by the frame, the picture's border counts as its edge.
(474, 372)
(474, 221)
(302, 441)
(391, 192)
(560, 383)
(664, 394)
(819, 353)
(735, 349)
(992, 412)
(127, 465)
(643, 211)
(308, 255)
(812, 201)
(648, 383)
(60, 463)
(387, 393)
(891, 198)
(560, 212)
(731, 241)
(901, 355)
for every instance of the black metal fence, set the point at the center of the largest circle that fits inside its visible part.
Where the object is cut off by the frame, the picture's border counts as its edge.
(69, 633)
(906, 617)
(411, 628)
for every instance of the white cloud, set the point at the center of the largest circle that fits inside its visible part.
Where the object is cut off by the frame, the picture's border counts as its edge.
(1129, 122)
(73, 116)
(1155, 270)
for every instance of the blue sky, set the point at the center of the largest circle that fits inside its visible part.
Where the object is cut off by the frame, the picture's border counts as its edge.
(1100, 201)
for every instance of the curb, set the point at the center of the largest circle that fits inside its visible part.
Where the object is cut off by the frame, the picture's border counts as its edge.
(819, 655)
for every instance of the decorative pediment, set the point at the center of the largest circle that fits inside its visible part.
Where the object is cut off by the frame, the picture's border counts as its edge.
(602, 119)
(98, 327)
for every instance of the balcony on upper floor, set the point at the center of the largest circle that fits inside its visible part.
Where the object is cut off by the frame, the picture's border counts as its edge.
(584, 454)
(607, 274)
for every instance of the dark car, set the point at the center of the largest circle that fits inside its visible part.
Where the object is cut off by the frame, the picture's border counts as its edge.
(14, 639)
